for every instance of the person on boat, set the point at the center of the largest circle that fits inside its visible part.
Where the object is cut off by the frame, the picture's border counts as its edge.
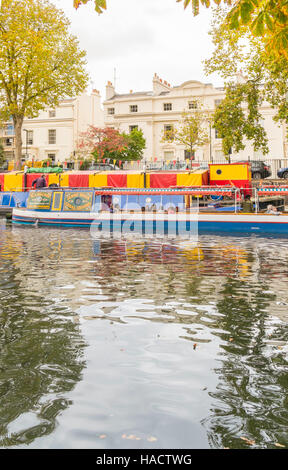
(272, 210)
(40, 182)
(171, 210)
(247, 204)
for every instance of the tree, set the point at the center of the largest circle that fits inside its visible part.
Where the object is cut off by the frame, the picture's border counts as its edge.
(136, 143)
(267, 19)
(101, 143)
(40, 61)
(239, 53)
(2, 155)
(100, 5)
(233, 122)
(190, 133)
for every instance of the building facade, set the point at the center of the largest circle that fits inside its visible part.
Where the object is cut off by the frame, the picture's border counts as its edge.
(54, 132)
(161, 109)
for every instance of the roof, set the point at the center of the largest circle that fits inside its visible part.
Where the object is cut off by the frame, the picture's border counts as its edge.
(127, 95)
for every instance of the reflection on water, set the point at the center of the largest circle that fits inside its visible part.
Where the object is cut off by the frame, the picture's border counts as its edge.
(142, 344)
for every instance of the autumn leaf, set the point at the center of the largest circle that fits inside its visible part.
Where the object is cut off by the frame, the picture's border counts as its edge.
(131, 437)
(248, 441)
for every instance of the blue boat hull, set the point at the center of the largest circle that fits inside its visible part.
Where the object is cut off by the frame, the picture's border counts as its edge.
(276, 225)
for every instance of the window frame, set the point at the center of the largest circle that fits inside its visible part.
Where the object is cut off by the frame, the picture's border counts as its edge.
(133, 108)
(167, 107)
(49, 137)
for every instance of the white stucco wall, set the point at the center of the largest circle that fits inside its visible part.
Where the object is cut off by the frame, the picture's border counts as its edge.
(152, 118)
(72, 117)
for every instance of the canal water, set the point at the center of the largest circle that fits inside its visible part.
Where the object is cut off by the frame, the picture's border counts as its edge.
(142, 344)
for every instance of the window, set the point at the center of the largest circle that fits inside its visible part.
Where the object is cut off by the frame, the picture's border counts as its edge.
(9, 129)
(111, 110)
(30, 137)
(167, 106)
(52, 136)
(168, 128)
(132, 128)
(134, 108)
(217, 102)
(192, 104)
(8, 142)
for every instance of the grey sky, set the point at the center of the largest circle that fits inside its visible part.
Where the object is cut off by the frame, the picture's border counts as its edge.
(139, 38)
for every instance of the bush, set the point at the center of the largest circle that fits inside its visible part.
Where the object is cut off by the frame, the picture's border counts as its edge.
(85, 165)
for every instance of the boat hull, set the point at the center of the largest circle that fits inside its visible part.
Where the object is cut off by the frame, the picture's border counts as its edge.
(153, 223)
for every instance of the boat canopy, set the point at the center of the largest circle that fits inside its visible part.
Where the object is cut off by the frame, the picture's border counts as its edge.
(186, 191)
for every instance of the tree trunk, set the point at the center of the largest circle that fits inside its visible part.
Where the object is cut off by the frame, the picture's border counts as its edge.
(18, 121)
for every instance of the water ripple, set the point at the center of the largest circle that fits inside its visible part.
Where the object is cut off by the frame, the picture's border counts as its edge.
(120, 344)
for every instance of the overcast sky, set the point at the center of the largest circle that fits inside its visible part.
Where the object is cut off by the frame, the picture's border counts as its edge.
(139, 38)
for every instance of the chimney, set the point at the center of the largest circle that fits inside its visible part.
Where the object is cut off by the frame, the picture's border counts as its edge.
(160, 85)
(110, 91)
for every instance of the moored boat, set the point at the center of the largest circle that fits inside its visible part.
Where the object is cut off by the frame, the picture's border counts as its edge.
(148, 211)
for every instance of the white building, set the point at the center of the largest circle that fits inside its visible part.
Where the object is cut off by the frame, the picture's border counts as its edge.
(54, 132)
(157, 110)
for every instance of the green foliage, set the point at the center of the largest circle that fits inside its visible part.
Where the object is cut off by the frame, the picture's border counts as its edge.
(191, 132)
(136, 143)
(110, 143)
(85, 165)
(239, 53)
(40, 61)
(100, 5)
(2, 154)
(233, 121)
(267, 19)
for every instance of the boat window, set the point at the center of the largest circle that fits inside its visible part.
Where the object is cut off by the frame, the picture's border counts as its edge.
(57, 201)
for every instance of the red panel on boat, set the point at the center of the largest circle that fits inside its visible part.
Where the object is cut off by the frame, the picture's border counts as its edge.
(164, 180)
(245, 184)
(2, 181)
(117, 181)
(79, 181)
(205, 178)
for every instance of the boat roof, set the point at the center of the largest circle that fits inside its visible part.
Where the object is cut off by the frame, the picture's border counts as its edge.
(201, 190)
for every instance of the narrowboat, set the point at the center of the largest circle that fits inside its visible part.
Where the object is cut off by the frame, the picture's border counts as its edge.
(151, 211)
